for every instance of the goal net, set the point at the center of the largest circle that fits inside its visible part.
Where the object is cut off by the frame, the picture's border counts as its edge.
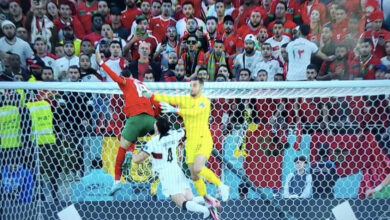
(286, 149)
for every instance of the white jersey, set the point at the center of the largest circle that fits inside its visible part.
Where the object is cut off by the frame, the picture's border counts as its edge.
(299, 56)
(385, 61)
(181, 26)
(64, 63)
(277, 45)
(163, 150)
(248, 62)
(116, 65)
(271, 66)
(50, 62)
(164, 162)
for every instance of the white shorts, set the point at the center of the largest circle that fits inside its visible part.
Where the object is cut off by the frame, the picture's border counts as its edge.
(173, 181)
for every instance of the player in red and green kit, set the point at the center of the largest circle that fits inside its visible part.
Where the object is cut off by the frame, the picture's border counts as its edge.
(140, 112)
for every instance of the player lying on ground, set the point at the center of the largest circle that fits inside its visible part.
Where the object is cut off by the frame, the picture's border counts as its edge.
(140, 113)
(195, 110)
(162, 149)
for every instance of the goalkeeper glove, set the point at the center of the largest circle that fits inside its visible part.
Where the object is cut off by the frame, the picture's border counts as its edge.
(167, 108)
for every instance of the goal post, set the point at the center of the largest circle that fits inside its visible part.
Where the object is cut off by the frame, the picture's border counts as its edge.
(286, 149)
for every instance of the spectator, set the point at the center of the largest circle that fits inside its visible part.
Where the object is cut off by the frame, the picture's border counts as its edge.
(52, 11)
(68, 60)
(59, 50)
(242, 13)
(140, 35)
(68, 35)
(253, 26)
(144, 65)
(116, 24)
(277, 40)
(224, 70)
(377, 34)
(47, 74)
(380, 71)
(98, 183)
(22, 33)
(156, 8)
(299, 183)
(293, 11)
(66, 19)
(86, 47)
(85, 11)
(281, 15)
(193, 57)
(362, 67)
(218, 11)
(145, 9)
(35, 65)
(188, 11)
(244, 75)
(308, 6)
(14, 68)
(4, 10)
(311, 72)
(212, 33)
(40, 48)
(116, 62)
(16, 14)
(97, 21)
(128, 15)
(324, 174)
(269, 64)
(278, 77)
(387, 75)
(168, 45)
(215, 58)
(249, 58)
(104, 10)
(262, 76)
(229, 37)
(87, 73)
(169, 73)
(108, 33)
(14, 44)
(262, 36)
(386, 59)
(337, 69)
(284, 60)
(149, 77)
(326, 45)
(299, 54)
(180, 72)
(315, 27)
(73, 74)
(203, 74)
(340, 27)
(40, 25)
(159, 24)
(221, 78)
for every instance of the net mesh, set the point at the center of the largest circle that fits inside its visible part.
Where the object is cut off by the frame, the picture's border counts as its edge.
(52, 140)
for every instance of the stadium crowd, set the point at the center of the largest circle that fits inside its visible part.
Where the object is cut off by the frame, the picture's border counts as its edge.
(217, 40)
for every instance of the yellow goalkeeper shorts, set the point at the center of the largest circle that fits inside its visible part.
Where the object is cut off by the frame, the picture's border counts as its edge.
(198, 146)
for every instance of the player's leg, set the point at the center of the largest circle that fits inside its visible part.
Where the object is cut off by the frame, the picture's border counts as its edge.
(200, 169)
(189, 205)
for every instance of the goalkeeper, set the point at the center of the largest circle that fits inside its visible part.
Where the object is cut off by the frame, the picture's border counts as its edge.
(162, 149)
(139, 112)
(195, 110)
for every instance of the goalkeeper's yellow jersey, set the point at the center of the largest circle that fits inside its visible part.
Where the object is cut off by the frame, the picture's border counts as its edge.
(195, 113)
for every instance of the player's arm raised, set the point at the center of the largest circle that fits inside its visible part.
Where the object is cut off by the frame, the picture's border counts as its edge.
(181, 101)
(118, 79)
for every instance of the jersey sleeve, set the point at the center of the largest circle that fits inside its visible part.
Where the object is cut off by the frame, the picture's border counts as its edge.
(148, 148)
(313, 47)
(113, 75)
(181, 101)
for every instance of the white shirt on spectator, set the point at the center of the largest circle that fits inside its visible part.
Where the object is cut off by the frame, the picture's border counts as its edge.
(248, 62)
(271, 66)
(20, 47)
(181, 26)
(116, 64)
(385, 61)
(299, 56)
(277, 45)
(50, 62)
(64, 63)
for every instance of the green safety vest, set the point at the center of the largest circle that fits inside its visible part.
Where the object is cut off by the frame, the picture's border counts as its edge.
(42, 122)
(10, 131)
